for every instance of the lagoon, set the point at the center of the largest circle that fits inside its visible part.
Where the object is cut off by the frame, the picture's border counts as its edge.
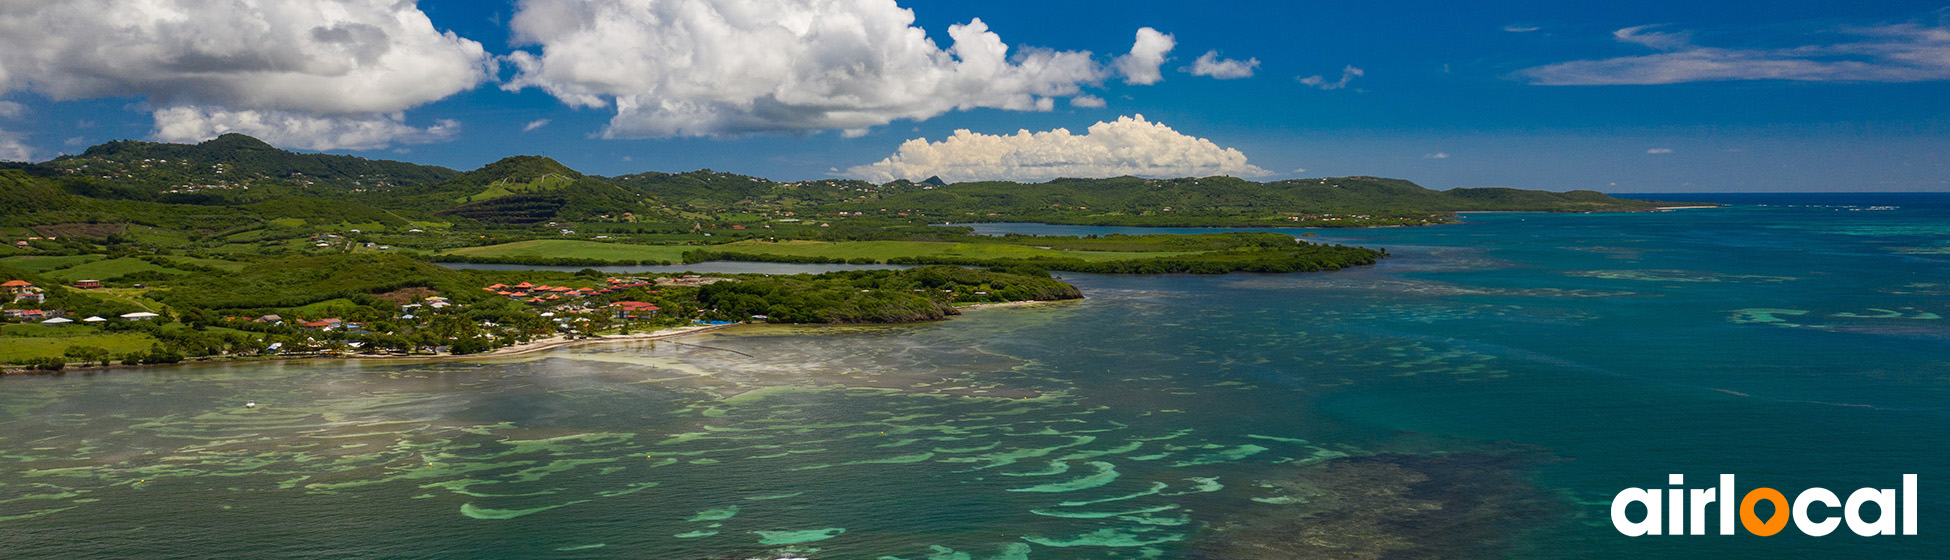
(1482, 394)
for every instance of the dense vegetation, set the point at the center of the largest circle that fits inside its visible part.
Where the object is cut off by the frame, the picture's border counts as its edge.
(304, 280)
(876, 296)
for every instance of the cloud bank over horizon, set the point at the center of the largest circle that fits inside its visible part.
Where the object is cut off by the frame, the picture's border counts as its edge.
(1904, 52)
(1127, 146)
(312, 75)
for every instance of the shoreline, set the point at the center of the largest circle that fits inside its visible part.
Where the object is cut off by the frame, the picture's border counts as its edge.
(1024, 303)
(525, 348)
(531, 347)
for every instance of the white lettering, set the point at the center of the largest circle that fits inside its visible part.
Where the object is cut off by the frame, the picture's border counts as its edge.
(1629, 496)
(1809, 526)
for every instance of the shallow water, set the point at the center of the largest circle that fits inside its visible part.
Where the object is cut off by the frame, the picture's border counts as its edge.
(1482, 394)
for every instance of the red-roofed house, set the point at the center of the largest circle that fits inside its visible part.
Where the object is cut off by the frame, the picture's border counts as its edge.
(327, 324)
(16, 287)
(633, 309)
(88, 284)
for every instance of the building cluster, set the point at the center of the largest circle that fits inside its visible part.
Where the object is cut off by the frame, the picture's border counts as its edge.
(22, 293)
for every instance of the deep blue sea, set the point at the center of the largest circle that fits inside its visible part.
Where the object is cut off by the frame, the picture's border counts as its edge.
(1483, 393)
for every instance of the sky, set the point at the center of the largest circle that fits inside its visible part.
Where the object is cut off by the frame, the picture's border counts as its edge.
(1652, 96)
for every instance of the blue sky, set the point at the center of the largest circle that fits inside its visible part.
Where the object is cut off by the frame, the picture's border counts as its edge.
(1640, 97)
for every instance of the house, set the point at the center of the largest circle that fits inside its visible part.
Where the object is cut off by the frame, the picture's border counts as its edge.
(16, 287)
(633, 309)
(270, 319)
(139, 316)
(31, 297)
(323, 324)
(88, 284)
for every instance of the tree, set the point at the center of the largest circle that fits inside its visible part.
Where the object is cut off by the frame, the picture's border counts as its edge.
(88, 354)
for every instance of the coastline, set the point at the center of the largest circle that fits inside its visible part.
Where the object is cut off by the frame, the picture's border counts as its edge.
(505, 351)
(1024, 303)
(530, 347)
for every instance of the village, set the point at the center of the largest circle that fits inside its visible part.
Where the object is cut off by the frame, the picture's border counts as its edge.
(422, 324)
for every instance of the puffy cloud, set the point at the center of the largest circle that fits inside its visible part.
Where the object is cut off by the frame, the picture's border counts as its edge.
(534, 124)
(1209, 64)
(1437, 155)
(1088, 102)
(344, 58)
(1659, 151)
(10, 109)
(1127, 146)
(1147, 55)
(1348, 74)
(1887, 53)
(13, 147)
(298, 130)
(726, 67)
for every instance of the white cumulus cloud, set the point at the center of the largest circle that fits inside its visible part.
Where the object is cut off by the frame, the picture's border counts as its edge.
(1658, 151)
(10, 109)
(295, 129)
(534, 124)
(727, 67)
(1148, 53)
(1437, 155)
(1209, 64)
(350, 60)
(1126, 146)
(1348, 74)
(1088, 102)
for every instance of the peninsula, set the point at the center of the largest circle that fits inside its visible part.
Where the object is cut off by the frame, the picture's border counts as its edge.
(138, 252)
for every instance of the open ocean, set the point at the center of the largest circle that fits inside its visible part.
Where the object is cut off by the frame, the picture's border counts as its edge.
(1481, 394)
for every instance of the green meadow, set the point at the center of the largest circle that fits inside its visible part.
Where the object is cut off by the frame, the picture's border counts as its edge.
(568, 248)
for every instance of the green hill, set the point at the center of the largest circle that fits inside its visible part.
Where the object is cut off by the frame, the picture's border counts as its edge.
(237, 160)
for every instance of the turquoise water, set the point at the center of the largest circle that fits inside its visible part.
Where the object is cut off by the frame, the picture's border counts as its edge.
(1482, 394)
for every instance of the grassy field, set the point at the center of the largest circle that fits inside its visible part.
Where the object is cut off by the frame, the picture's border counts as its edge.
(38, 265)
(212, 263)
(567, 248)
(46, 341)
(878, 250)
(103, 270)
(883, 250)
